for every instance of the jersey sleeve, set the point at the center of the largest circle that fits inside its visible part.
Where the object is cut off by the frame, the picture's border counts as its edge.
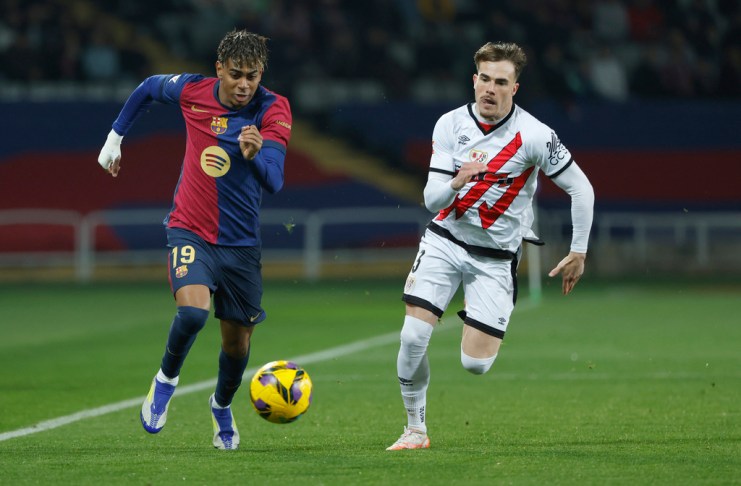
(276, 125)
(165, 88)
(443, 146)
(171, 87)
(548, 153)
(576, 185)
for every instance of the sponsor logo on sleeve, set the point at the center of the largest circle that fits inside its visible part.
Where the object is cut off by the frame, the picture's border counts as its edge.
(557, 153)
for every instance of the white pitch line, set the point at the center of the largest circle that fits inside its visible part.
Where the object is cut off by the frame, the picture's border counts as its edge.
(319, 356)
(324, 355)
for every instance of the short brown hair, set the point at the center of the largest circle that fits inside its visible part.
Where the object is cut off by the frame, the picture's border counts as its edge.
(243, 47)
(502, 51)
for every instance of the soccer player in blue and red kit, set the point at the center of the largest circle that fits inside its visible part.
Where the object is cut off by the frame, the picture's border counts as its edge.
(237, 134)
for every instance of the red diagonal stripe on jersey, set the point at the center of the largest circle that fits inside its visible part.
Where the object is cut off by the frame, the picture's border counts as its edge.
(478, 190)
(490, 215)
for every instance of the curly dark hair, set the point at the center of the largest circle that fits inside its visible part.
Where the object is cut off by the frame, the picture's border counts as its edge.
(243, 47)
(502, 51)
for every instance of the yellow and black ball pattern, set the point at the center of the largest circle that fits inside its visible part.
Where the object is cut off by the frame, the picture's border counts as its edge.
(281, 391)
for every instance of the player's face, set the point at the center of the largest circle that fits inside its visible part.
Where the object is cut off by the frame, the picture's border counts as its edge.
(495, 86)
(238, 83)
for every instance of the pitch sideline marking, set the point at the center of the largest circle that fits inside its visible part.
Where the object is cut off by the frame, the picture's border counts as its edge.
(319, 356)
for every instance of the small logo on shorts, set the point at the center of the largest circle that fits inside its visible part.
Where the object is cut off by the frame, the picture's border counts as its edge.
(181, 271)
(410, 284)
(254, 318)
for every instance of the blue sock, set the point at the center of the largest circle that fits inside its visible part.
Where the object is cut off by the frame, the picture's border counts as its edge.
(230, 377)
(183, 331)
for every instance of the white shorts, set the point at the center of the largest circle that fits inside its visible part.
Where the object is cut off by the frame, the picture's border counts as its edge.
(489, 284)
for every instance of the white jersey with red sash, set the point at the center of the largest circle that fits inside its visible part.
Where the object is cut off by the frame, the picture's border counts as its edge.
(490, 211)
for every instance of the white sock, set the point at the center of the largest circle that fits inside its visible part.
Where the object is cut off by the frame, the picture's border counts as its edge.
(163, 379)
(477, 366)
(216, 405)
(413, 369)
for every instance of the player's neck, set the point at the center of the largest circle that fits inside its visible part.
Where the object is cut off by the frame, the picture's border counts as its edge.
(482, 120)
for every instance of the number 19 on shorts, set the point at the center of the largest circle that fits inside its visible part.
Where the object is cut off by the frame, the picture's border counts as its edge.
(183, 255)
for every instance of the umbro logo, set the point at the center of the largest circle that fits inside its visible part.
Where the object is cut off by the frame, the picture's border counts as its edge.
(463, 140)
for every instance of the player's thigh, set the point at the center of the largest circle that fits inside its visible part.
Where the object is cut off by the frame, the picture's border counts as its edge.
(489, 289)
(194, 296)
(478, 344)
(239, 293)
(191, 265)
(435, 275)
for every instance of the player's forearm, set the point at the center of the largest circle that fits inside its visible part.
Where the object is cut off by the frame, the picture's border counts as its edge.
(438, 193)
(268, 165)
(576, 184)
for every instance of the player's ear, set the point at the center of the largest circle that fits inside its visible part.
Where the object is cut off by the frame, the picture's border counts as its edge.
(219, 70)
(515, 87)
(475, 77)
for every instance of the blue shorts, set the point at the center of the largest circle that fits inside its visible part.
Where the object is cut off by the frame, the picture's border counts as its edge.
(233, 273)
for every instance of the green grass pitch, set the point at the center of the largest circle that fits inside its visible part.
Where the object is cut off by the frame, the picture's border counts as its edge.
(619, 383)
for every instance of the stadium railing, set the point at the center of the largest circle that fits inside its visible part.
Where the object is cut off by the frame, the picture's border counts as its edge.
(345, 240)
(625, 242)
(312, 248)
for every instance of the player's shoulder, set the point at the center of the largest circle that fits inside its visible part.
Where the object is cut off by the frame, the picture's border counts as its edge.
(529, 126)
(177, 85)
(458, 113)
(268, 96)
(455, 118)
(267, 102)
(186, 78)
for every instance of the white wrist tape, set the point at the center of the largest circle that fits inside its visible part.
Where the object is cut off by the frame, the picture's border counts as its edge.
(111, 151)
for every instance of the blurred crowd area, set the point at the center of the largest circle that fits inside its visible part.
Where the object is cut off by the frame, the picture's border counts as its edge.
(412, 49)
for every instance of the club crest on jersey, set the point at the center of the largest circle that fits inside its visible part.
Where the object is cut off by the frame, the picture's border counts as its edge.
(215, 161)
(218, 125)
(477, 156)
(181, 271)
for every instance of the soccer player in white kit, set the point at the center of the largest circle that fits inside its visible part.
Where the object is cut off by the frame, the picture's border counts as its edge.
(486, 156)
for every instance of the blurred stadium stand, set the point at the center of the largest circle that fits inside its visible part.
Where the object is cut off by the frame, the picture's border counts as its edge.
(646, 94)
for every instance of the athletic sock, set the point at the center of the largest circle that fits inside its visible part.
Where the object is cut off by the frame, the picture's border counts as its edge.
(414, 370)
(162, 378)
(477, 366)
(185, 327)
(230, 377)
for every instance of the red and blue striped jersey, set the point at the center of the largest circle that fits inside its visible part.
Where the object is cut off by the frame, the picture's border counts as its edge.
(219, 193)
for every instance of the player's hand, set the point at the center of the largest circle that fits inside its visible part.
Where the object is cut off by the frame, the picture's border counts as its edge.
(467, 172)
(250, 141)
(110, 154)
(571, 268)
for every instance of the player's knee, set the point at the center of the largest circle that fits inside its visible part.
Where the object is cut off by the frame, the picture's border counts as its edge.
(415, 332)
(477, 366)
(190, 320)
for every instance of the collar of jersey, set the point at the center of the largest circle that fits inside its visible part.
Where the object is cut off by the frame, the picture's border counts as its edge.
(484, 130)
